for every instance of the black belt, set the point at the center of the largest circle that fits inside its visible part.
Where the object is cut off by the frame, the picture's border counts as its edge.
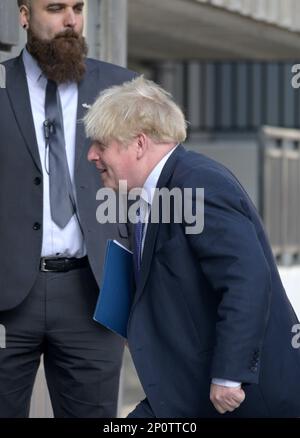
(61, 264)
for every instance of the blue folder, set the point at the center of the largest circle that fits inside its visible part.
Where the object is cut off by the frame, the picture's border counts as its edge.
(116, 292)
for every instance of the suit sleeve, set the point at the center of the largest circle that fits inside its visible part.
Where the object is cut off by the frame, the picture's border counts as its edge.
(233, 261)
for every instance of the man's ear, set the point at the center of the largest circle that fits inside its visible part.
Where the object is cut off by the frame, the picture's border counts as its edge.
(24, 17)
(142, 145)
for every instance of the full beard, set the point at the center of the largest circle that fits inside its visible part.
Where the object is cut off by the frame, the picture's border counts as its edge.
(62, 58)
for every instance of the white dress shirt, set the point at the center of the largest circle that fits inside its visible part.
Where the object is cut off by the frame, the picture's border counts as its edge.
(147, 199)
(149, 190)
(66, 242)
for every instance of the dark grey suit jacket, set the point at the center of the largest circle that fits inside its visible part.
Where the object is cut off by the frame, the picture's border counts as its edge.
(21, 181)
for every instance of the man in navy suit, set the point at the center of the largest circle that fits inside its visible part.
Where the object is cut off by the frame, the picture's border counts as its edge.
(210, 329)
(50, 273)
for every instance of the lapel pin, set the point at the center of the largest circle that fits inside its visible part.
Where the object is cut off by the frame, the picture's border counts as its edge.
(86, 106)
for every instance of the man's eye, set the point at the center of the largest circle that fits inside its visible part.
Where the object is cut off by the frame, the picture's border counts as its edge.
(78, 9)
(55, 8)
(101, 146)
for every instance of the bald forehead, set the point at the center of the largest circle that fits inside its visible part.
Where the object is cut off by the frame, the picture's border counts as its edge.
(47, 2)
(56, 2)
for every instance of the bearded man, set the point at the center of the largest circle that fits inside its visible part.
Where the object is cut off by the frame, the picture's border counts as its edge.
(52, 246)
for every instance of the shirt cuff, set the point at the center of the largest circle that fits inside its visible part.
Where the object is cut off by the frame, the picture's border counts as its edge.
(228, 383)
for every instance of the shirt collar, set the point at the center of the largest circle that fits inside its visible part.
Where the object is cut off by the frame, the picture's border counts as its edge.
(151, 182)
(32, 69)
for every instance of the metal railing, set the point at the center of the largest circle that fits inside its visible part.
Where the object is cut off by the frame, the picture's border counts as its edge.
(280, 191)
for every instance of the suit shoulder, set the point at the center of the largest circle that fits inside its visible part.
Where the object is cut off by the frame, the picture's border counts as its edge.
(196, 168)
(195, 162)
(112, 69)
(9, 62)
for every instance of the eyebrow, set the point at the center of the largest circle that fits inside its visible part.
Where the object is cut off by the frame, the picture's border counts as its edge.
(64, 4)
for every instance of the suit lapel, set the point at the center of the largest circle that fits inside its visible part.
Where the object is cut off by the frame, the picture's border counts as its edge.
(18, 94)
(153, 228)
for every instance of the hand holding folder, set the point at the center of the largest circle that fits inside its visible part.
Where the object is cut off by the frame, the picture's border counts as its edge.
(116, 293)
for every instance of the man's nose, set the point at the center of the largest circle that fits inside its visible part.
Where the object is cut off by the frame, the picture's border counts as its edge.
(70, 18)
(93, 153)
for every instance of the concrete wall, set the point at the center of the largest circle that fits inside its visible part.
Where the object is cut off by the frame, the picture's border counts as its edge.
(291, 281)
(8, 24)
(283, 13)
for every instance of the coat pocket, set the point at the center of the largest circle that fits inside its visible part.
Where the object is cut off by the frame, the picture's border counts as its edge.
(168, 245)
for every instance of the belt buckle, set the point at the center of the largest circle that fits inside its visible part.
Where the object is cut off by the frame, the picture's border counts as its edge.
(43, 265)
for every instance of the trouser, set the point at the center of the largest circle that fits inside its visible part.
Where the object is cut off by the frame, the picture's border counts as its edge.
(142, 410)
(82, 358)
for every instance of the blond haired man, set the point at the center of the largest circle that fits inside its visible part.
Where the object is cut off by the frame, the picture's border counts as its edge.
(210, 324)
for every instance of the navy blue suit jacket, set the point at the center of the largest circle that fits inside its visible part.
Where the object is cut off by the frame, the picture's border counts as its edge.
(212, 305)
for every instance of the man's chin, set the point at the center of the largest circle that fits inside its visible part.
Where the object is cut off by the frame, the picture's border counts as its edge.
(106, 182)
(61, 59)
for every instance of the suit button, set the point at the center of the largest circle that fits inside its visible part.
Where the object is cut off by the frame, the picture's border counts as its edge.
(253, 368)
(37, 181)
(36, 226)
(256, 354)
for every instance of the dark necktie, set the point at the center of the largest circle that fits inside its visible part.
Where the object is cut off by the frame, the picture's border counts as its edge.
(138, 239)
(61, 197)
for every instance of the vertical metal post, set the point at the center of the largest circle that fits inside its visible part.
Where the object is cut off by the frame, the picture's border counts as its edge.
(106, 33)
(113, 31)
